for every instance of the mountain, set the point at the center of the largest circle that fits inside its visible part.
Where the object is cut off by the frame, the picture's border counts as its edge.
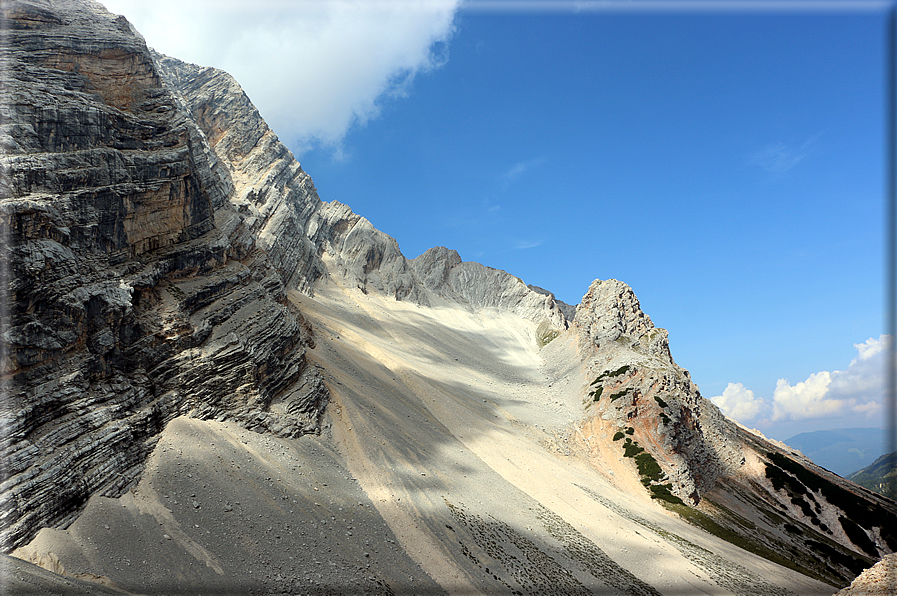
(844, 450)
(217, 382)
(879, 475)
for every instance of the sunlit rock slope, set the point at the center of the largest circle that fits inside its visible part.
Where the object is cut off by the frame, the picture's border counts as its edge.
(215, 381)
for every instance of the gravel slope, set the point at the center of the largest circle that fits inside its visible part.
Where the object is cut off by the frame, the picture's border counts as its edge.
(446, 466)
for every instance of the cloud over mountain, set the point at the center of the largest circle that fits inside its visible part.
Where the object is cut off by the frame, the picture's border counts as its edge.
(739, 402)
(856, 392)
(313, 68)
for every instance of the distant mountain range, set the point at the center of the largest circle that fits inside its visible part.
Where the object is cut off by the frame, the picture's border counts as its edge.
(878, 476)
(844, 450)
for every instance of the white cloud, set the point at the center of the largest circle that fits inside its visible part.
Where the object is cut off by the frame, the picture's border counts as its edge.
(859, 390)
(524, 244)
(864, 379)
(313, 68)
(806, 399)
(739, 402)
(872, 346)
(779, 157)
(852, 396)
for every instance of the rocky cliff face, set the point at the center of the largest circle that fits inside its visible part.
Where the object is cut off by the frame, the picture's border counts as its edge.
(307, 238)
(137, 291)
(637, 386)
(152, 226)
(687, 452)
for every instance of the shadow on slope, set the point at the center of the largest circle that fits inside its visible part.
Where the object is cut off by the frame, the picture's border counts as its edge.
(424, 409)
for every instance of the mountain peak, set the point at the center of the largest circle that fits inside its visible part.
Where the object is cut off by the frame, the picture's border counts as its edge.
(215, 376)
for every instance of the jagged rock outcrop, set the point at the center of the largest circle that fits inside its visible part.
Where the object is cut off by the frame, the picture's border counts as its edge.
(686, 450)
(137, 292)
(878, 580)
(154, 223)
(276, 198)
(638, 386)
(443, 272)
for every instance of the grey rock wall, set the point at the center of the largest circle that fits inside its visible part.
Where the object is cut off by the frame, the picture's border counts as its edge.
(136, 290)
(152, 224)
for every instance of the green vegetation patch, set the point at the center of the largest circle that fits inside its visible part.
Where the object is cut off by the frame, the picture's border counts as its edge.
(620, 371)
(618, 395)
(726, 573)
(609, 375)
(596, 394)
(662, 493)
(648, 467)
(665, 418)
(631, 448)
(649, 470)
(618, 435)
(660, 402)
(879, 476)
(629, 430)
(700, 519)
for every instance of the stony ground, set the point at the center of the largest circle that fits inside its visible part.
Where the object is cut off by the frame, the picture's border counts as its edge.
(879, 580)
(448, 464)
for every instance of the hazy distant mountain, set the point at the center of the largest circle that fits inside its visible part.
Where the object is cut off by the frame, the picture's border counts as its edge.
(878, 476)
(843, 450)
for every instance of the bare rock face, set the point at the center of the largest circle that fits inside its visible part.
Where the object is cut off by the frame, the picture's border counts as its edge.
(687, 451)
(308, 239)
(652, 401)
(136, 290)
(153, 224)
(477, 286)
(276, 198)
(878, 580)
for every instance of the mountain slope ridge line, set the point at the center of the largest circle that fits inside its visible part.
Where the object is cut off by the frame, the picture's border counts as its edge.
(183, 307)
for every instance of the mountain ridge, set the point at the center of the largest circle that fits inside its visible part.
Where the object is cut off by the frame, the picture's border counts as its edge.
(879, 475)
(182, 299)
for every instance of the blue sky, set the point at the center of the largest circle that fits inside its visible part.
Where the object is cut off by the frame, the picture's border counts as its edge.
(727, 164)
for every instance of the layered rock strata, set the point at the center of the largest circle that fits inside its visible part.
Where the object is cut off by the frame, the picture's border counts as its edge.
(153, 223)
(309, 239)
(137, 292)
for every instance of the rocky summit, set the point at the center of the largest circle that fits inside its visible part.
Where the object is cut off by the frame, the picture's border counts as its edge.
(215, 382)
